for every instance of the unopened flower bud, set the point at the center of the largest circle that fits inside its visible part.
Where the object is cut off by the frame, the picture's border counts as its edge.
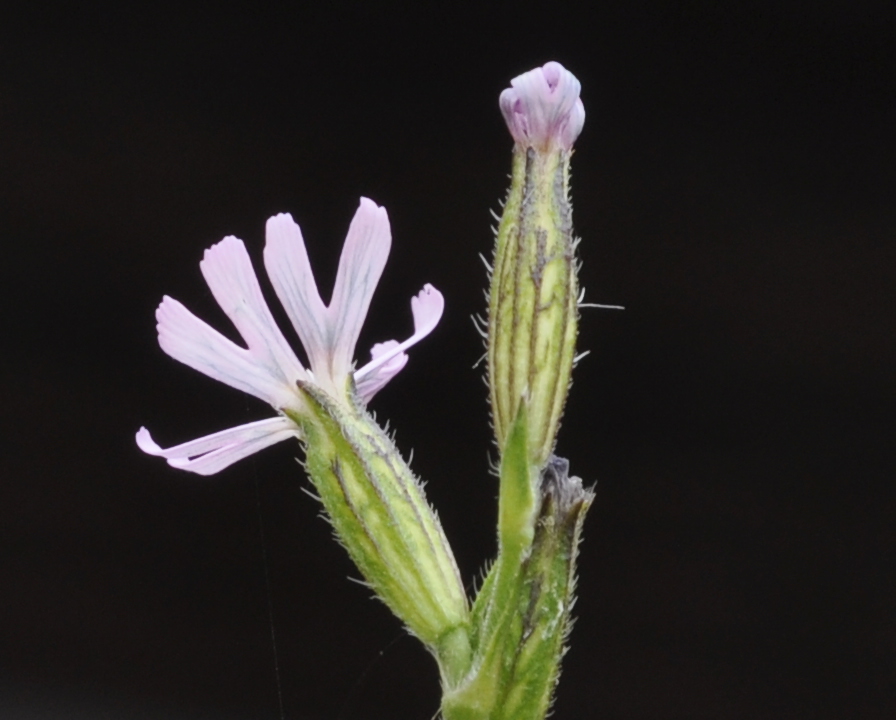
(542, 108)
(533, 315)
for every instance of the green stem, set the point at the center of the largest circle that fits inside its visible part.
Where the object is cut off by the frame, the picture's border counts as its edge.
(521, 615)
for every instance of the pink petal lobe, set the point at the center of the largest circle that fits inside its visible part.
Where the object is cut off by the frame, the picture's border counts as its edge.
(289, 268)
(228, 271)
(427, 308)
(361, 264)
(371, 383)
(146, 443)
(211, 454)
(191, 341)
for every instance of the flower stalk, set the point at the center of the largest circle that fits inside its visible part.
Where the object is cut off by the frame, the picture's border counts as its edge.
(521, 615)
(533, 313)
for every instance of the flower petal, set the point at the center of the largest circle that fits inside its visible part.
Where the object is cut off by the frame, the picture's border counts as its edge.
(191, 341)
(228, 271)
(288, 267)
(427, 308)
(361, 265)
(329, 333)
(213, 453)
(373, 382)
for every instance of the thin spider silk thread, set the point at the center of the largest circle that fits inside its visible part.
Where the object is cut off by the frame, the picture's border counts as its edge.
(353, 692)
(267, 584)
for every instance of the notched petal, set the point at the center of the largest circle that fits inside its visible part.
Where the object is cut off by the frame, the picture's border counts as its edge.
(228, 271)
(371, 383)
(193, 342)
(427, 307)
(212, 453)
(289, 268)
(361, 264)
(329, 333)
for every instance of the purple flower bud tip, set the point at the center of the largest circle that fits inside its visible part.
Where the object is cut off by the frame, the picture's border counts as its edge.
(542, 108)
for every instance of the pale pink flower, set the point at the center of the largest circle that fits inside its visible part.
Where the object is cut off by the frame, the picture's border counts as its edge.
(267, 367)
(542, 108)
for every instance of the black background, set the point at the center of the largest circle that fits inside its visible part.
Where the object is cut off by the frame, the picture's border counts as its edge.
(734, 188)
